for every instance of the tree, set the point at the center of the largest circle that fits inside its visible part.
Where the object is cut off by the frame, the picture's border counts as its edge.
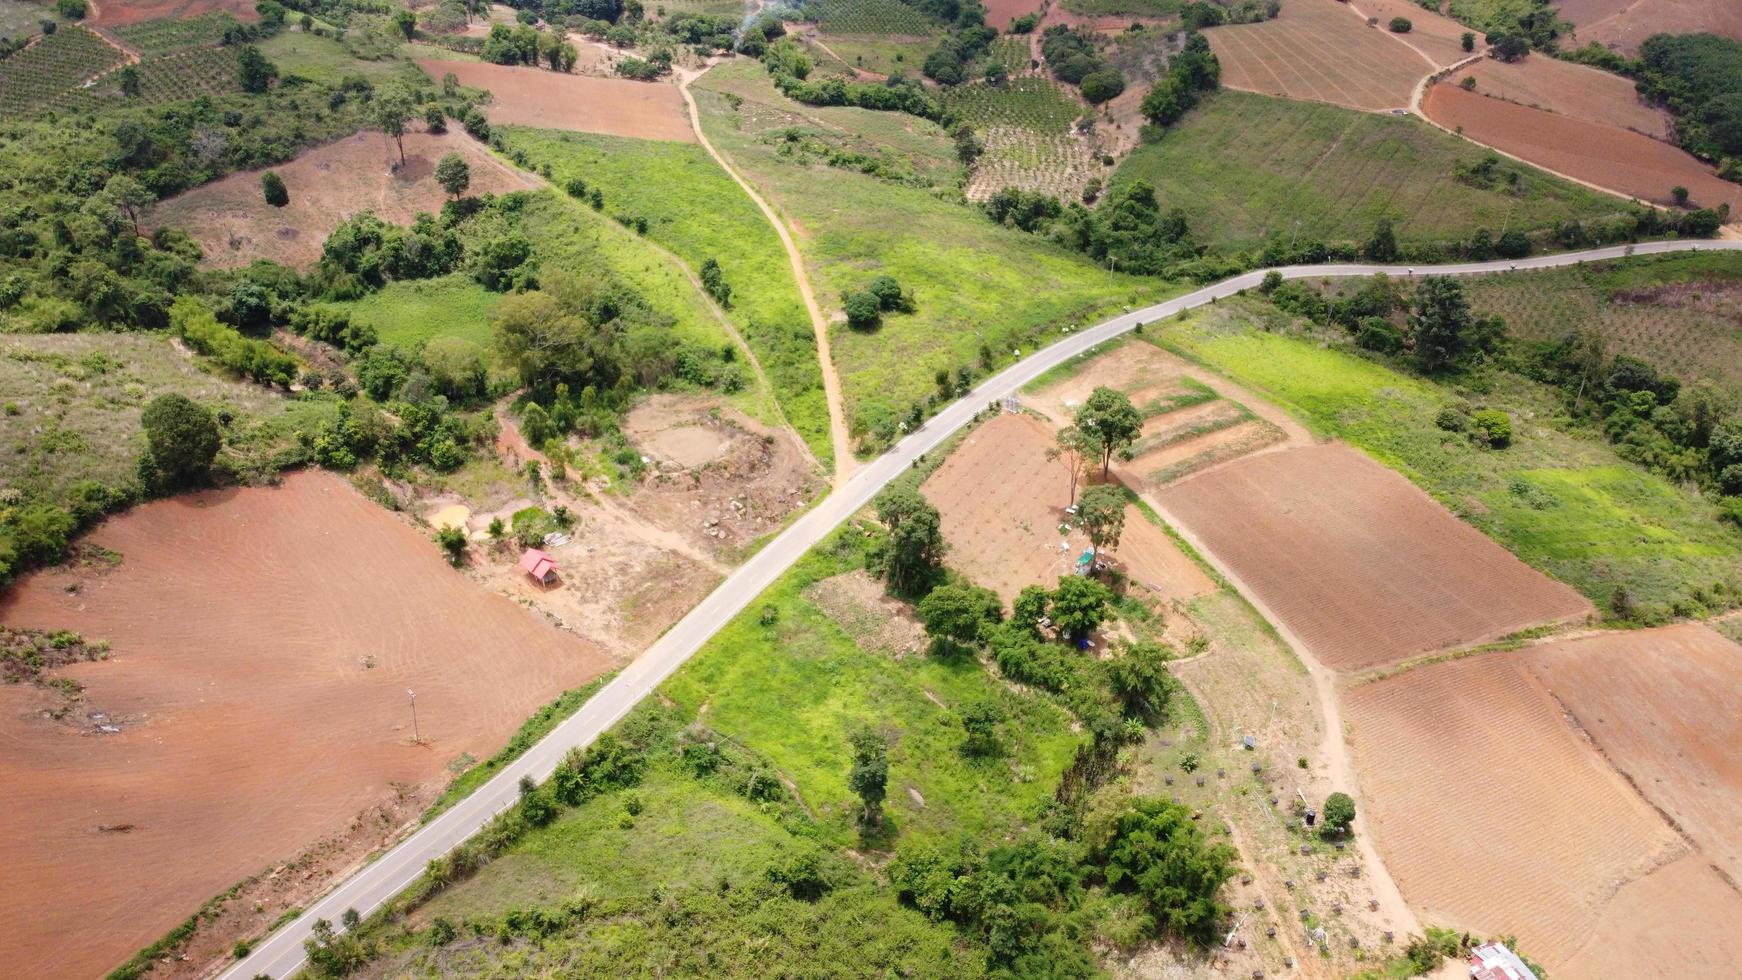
(1102, 515)
(1441, 322)
(1339, 813)
(391, 109)
(955, 615)
(915, 544)
(980, 719)
(406, 21)
(1070, 448)
(453, 544)
(129, 197)
(1140, 679)
(1382, 247)
(1680, 194)
(183, 437)
(862, 309)
(454, 174)
(273, 189)
(1468, 41)
(128, 76)
(1400, 25)
(869, 776)
(890, 298)
(1159, 854)
(1029, 608)
(1108, 423)
(253, 72)
(435, 120)
(714, 281)
(1079, 604)
(539, 340)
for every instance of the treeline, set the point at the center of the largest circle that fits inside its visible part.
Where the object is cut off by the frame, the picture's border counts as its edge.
(1698, 78)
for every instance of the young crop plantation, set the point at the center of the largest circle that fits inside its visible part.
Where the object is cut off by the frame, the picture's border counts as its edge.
(50, 73)
(163, 36)
(869, 17)
(1028, 126)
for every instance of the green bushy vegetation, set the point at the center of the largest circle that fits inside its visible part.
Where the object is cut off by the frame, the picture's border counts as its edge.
(981, 291)
(695, 209)
(1560, 497)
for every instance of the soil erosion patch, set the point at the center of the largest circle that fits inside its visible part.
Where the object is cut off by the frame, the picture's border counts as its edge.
(583, 103)
(1358, 562)
(263, 641)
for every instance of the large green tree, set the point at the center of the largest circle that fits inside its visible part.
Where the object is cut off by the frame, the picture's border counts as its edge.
(1079, 605)
(1069, 450)
(183, 437)
(390, 111)
(454, 174)
(1101, 513)
(868, 777)
(915, 545)
(1141, 680)
(1159, 854)
(1441, 321)
(1108, 423)
(955, 615)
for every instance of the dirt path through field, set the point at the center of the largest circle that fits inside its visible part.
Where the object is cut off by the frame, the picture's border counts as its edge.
(838, 435)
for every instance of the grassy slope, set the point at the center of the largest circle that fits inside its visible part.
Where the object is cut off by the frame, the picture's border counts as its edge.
(1560, 499)
(408, 313)
(697, 211)
(1247, 166)
(325, 60)
(974, 282)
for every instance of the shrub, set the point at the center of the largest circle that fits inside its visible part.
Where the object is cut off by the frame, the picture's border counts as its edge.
(1339, 813)
(1401, 25)
(863, 310)
(453, 544)
(183, 437)
(70, 9)
(273, 189)
(1493, 427)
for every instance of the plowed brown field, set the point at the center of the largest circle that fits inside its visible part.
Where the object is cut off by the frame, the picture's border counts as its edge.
(1623, 24)
(583, 103)
(1570, 90)
(1492, 814)
(1002, 503)
(234, 225)
(999, 13)
(1357, 562)
(1438, 38)
(1607, 156)
(263, 642)
(1663, 706)
(1677, 923)
(119, 13)
(1319, 50)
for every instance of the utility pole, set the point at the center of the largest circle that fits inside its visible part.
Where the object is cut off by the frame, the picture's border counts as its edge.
(416, 736)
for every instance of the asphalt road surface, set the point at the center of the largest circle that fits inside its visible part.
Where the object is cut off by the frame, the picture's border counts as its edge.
(281, 954)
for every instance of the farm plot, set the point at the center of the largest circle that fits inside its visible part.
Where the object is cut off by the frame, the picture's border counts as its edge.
(165, 78)
(1436, 37)
(1247, 167)
(869, 17)
(53, 70)
(1357, 562)
(1495, 816)
(163, 36)
(1661, 705)
(263, 641)
(235, 226)
(1028, 127)
(1624, 24)
(120, 13)
(1003, 507)
(1569, 89)
(1607, 156)
(1319, 51)
(553, 100)
(999, 13)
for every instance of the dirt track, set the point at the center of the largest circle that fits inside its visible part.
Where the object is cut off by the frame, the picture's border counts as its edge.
(263, 641)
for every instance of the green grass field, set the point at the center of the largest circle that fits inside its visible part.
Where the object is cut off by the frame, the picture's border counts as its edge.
(1245, 167)
(975, 284)
(695, 209)
(325, 60)
(1676, 312)
(1559, 498)
(409, 313)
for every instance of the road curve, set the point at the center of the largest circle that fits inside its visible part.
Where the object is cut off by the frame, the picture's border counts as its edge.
(281, 954)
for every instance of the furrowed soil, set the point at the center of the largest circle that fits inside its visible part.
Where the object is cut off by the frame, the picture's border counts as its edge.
(235, 226)
(1320, 51)
(1662, 707)
(1607, 156)
(1359, 563)
(1623, 24)
(263, 641)
(1568, 89)
(119, 13)
(1003, 506)
(1496, 815)
(584, 103)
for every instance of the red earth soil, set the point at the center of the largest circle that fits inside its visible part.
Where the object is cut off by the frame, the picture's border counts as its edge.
(1606, 156)
(263, 643)
(1320, 51)
(1496, 816)
(1439, 39)
(1359, 563)
(234, 225)
(1623, 24)
(582, 103)
(1568, 89)
(119, 13)
(1662, 705)
(999, 13)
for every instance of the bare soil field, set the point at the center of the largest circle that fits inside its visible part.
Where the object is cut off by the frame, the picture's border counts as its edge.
(999, 13)
(862, 606)
(1359, 563)
(1495, 816)
(120, 13)
(1438, 38)
(583, 103)
(235, 226)
(1003, 504)
(1568, 89)
(1607, 156)
(1320, 51)
(1661, 705)
(263, 641)
(1677, 923)
(1623, 24)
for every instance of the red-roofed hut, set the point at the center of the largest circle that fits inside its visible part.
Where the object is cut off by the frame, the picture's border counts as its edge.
(539, 565)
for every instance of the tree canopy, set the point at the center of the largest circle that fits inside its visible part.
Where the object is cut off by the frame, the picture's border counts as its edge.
(1108, 423)
(183, 436)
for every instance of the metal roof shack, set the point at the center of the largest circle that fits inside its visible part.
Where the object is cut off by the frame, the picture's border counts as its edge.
(1492, 961)
(539, 565)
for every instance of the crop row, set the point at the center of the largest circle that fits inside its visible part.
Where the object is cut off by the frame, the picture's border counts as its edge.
(53, 67)
(1029, 102)
(869, 17)
(163, 36)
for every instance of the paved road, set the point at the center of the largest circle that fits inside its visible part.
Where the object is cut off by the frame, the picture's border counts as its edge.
(281, 954)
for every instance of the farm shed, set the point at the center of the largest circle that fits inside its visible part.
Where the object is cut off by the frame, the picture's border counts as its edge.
(539, 565)
(1492, 961)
